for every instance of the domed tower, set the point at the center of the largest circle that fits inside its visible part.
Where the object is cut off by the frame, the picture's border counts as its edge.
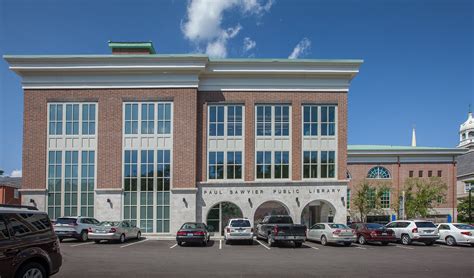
(466, 133)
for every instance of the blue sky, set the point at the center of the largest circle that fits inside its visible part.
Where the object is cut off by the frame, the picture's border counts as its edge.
(418, 69)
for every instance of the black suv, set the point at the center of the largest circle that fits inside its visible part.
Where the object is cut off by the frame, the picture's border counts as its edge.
(28, 245)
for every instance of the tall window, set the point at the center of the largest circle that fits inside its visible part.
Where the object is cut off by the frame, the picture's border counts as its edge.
(328, 164)
(264, 165)
(55, 119)
(54, 184)
(310, 120)
(148, 118)
(385, 199)
(282, 120)
(371, 198)
(147, 165)
(87, 183)
(71, 183)
(282, 165)
(310, 164)
(348, 198)
(328, 120)
(72, 119)
(216, 121)
(264, 120)
(164, 118)
(130, 186)
(131, 118)
(234, 165)
(163, 191)
(88, 119)
(234, 120)
(216, 165)
(378, 173)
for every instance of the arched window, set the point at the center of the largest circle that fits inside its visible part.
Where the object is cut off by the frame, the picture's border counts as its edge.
(378, 173)
(471, 134)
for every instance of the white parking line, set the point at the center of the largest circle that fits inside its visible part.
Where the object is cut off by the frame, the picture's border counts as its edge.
(173, 246)
(126, 245)
(220, 243)
(262, 244)
(80, 244)
(315, 248)
(404, 247)
(359, 247)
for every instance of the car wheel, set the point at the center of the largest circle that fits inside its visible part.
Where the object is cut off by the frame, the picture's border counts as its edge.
(361, 240)
(122, 238)
(139, 235)
(84, 236)
(450, 241)
(324, 241)
(298, 244)
(32, 270)
(180, 243)
(406, 240)
(97, 241)
(270, 241)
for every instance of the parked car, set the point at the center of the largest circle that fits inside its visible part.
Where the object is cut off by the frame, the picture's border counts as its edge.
(408, 231)
(193, 232)
(456, 233)
(74, 227)
(114, 231)
(332, 233)
(28, 245)
(373, 232)
(238, 229)
(280, 228)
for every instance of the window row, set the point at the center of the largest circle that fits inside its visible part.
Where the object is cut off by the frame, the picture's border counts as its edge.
(72, 118)
(225, 165)
(71, 183)
(147, 182)
(439, 173)
(148, 118)
(326, 163)
(271, 120)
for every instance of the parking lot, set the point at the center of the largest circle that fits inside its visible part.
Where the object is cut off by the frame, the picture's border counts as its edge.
(147, 258)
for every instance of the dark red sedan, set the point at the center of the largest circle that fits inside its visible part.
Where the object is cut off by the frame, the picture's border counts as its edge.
(373, 232)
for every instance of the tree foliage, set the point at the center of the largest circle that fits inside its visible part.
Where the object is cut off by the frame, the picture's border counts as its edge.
(463, 209)
(368, 196)
(421, 195)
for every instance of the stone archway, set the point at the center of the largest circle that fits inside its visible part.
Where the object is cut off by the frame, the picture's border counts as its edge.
(317, 211)
(269, 208)
(218, 215)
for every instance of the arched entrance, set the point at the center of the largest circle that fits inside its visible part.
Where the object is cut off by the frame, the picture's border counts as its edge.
(219, 215)
(317, 211)
(269, 208)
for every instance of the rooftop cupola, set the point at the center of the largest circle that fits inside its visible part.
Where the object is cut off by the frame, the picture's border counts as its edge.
(466, 132)
(131, 48)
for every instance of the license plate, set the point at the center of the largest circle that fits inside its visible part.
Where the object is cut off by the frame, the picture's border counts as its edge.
(100, 231)
(384, 234)
(189, 234)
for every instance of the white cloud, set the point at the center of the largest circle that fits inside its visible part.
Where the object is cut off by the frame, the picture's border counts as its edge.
(202, 25)
(249, 44)
(15, 174)
(300, 49)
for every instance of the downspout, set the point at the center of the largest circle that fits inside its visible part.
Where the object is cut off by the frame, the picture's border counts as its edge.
(454, 189)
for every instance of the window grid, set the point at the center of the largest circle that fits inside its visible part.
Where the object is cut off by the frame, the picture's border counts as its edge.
(72, 119)
(328, 164)
(264, 165)
(131, 118)
(163, 191)
(348, 198)
(282, 120)
(216, 165)
(164, 118)
(378, 173)
(148, 118)
(234, 120)
(371, 198)
(55, 119)
(328, 120)
(130, 186)
(264, 120)
(310, 164)
(234, 165)
(385, 199)
(70, 183)
(88, 119)
(146, 190)
(54, 184)
(87, 183)
(216, 120)
(310, 120)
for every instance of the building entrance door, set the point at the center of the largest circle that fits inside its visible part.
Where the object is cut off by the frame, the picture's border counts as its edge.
(219, 216)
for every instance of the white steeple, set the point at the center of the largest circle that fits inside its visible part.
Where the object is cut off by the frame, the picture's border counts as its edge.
(413, 137)
(466, 132)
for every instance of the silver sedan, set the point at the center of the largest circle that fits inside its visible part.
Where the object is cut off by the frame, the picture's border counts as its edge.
(331, 233)
(115, 231)
(456, 233)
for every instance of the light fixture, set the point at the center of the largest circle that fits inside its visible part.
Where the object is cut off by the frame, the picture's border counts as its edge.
(250, 202)
(108, 201)
(298, 201)
(343, 201)
(185, 202)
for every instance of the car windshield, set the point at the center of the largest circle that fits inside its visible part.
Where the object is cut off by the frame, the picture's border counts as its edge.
(281, 220)
(192, 226)
(464, 226)
(425, 225)
(109, 223)
(374, 226)
(65, 221)
(240, 223)
(338, 226)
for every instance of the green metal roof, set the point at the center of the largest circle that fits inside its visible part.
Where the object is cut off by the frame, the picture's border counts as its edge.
(133, 45)
(393, 148)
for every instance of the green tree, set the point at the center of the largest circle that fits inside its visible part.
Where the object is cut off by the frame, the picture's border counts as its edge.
(463, 210)
(421, 195)
(367, 198)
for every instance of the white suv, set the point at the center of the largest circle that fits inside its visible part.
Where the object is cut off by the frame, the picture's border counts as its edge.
(75, 227)
(238, 229)
(408, 231)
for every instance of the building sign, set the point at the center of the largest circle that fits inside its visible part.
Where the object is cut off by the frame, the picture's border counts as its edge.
(271, 191)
